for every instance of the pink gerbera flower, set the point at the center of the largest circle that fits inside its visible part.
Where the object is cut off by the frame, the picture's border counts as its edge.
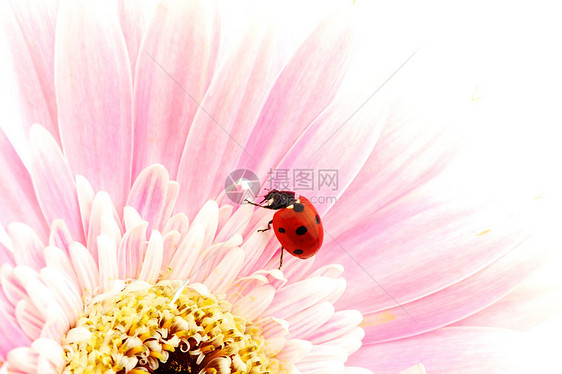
(127, 255)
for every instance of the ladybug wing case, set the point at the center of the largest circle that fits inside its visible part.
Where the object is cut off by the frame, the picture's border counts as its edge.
(299, 229)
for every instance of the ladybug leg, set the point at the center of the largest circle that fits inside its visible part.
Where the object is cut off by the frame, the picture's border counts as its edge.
(252, 203)
(281, 259)
(268, 227)
(261, 206)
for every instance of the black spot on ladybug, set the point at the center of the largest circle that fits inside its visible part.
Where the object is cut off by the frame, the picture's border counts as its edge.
(298, 251)
(317, 219)
(298, 207)
(281, 230)
(301, 230)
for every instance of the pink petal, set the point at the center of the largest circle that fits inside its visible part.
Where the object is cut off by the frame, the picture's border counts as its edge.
(24, 274)
(457, 349)
(418, 140)
(29, 319)
(175, 65)
(227, 114)
(377, 252)
(305, 87)
(456, 301)
(133, 17)
(60, 237)
(28, 249)
(94, 89)
(12, 334)
(407, 155)
(341, 126)
(148, 194)
(6, 255)
(532, 305)
(18, 202)
(53, 182)
(12, 288)
(31, 28)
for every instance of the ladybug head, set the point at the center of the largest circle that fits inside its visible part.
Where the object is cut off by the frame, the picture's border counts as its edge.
(279, 199)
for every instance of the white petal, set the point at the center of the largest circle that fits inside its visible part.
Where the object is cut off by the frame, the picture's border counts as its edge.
(227, 270)
(255, 302)
(85, 267)
(28, 249)
(86, 195)
(131, 217)
(183, 260)
(418, 369)
(178, 222)
(301, 295)
(50, 349)
(153, 258)
(107, 260)
(307, 321)
(294, 350)
(339, 324)
(208, 217)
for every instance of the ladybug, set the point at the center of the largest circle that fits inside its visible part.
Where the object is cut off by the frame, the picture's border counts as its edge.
(296, 223)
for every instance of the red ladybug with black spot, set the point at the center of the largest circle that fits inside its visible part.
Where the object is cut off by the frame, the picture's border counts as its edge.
(296, 223)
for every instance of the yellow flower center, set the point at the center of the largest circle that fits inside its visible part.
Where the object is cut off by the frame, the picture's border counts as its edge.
(139, 330)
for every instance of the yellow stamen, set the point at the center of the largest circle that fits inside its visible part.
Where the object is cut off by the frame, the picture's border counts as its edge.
(140, 329)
